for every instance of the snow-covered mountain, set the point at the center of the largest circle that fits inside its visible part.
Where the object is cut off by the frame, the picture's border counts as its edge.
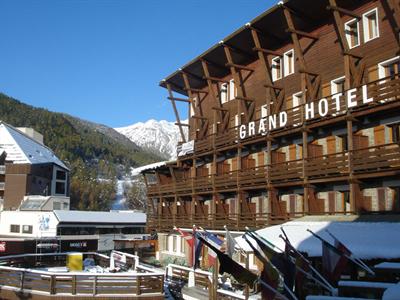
(160, 137)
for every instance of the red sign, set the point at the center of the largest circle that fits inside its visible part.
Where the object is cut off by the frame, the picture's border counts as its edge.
(2, 246)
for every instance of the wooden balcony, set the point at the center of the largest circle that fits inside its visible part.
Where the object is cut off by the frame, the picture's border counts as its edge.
(376, 159)
(217, 221)
(384, 91)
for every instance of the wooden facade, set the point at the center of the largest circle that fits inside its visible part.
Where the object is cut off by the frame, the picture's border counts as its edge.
(331, 68)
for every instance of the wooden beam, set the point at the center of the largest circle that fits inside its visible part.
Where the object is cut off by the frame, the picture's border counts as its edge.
(340, 27)
(244, 98)
(266, 51)
(182, 124)
(303, 33)
(273, 87)
(178, 120)
(180, 99)
(240, 51)
(219, 108)
(195, 90)
(343, 11)
(215, 79)
(267, 69)
(239, 67)
(198, 117)
(193, 75)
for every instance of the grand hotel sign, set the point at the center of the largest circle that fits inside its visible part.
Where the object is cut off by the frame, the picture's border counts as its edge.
(337, 104)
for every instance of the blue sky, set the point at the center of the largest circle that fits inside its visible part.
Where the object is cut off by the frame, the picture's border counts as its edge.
(102, 60)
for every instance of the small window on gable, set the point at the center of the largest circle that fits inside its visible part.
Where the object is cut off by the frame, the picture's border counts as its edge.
(352, 30)
(337, 85)
(288, 62)
(264, 111)
(224, 92)
(232, 90)
(276, 68)
(371, 25)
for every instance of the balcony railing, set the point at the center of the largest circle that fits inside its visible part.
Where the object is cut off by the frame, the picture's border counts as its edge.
(383, 91)
(363, 161)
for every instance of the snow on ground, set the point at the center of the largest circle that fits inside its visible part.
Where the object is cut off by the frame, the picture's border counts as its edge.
(120, 200)
(367, 240)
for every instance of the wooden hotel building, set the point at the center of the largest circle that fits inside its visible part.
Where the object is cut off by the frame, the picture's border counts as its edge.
(296, 113)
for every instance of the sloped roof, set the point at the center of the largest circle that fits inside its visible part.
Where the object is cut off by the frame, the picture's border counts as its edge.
(21, 148)
(367, 240)
(77, 216)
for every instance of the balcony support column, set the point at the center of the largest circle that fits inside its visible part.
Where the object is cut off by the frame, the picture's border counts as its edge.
(306, 208)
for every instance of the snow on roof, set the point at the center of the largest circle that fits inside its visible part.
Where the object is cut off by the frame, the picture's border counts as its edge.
(153, 166)
(388, 265)
(22, 149)
(367, 240)
(392, 293)
(77, 216)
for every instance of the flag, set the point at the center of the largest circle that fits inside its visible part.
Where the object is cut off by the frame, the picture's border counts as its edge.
(198, 248)
(228, 265)
(300, 264)
(333, 261)
(189, 238)
(230, 243)
(283, 263)
(342, 248)
(270, 275)
(216, 242)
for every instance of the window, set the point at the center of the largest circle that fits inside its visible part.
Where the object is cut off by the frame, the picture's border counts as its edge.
(27, 229)
(60, 188)
(224, 93)
(288, 62)
(59, 183)
(370, 25)
(14, 228)
(238, 120)
(337, 85)
(352, 30)
(232, 90)
(276, 68)
(297, 99)
(61, 175)
(193, 105)
(389, 68)
(264, 111)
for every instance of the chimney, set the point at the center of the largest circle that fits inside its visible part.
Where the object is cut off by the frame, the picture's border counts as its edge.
(32, 134)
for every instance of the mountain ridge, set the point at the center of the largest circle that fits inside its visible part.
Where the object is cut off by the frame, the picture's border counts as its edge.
(159, 137)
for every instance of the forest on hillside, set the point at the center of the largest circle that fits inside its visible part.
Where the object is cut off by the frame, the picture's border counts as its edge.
(96, 159)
